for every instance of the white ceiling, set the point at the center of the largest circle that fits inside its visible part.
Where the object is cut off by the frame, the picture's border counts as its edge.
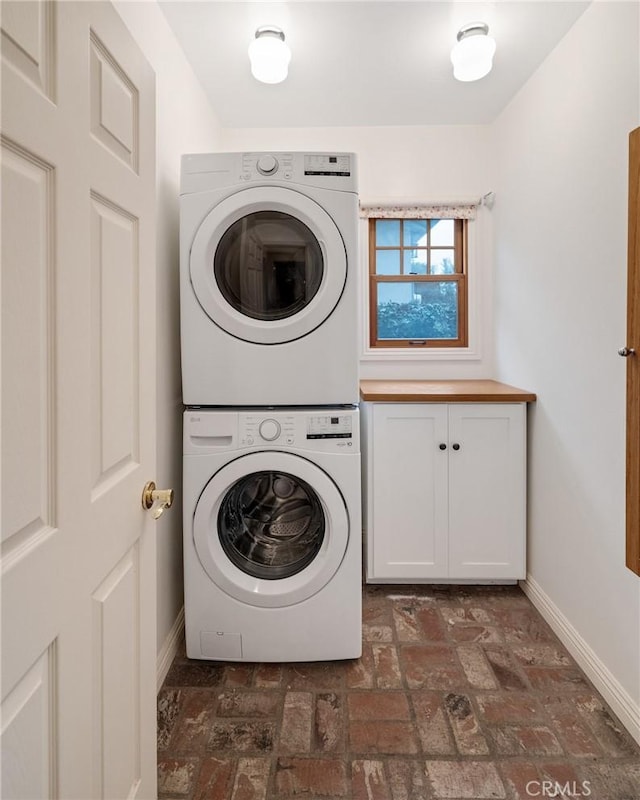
(364, 62)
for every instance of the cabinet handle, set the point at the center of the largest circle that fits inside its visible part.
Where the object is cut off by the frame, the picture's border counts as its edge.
(442, 446)
(456, 446)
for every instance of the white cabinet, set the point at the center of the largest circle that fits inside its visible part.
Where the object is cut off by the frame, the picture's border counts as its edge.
(444, 491)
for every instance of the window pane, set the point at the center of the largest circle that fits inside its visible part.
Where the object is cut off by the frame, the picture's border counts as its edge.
(442, 231)
(388, 262)
(388, 232)
(415, 232)
(415, 262)
(443, 262)
(421, 310)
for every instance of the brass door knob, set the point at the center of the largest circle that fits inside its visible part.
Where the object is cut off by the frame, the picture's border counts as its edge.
(160, 498)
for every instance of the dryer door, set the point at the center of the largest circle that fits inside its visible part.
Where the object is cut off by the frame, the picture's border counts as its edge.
(268, 265)
(271, 529)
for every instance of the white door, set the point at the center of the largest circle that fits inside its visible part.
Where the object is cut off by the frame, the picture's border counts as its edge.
(78, 405)
(409, 494)
(487, 490)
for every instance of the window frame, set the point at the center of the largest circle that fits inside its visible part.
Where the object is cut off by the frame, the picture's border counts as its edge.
(460, 277)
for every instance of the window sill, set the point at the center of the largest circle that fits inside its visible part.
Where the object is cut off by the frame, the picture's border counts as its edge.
(395, 354)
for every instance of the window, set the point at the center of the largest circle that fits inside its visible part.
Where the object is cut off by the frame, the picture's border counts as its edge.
(417, 283)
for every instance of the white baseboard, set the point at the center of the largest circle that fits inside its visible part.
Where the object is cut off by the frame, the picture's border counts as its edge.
(169, 649)
(621, 702)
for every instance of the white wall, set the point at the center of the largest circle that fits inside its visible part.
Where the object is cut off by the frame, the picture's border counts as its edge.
(431, 164)
(185, 124)
(560, 290)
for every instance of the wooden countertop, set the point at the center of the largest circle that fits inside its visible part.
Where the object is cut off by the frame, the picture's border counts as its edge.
(478, 391)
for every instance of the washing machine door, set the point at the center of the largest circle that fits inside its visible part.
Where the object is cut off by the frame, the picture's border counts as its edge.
(268, 265)
(271, 529)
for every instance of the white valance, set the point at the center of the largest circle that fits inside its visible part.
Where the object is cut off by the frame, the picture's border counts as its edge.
(413, 210)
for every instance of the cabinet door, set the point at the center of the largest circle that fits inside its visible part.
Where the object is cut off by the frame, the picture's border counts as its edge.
(407, 534)
(487, 491)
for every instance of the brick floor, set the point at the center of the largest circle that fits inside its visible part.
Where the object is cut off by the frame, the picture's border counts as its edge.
(462, 693)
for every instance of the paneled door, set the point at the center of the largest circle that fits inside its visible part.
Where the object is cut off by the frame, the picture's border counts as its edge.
(632, 351)
(78, 405)
(408, 491)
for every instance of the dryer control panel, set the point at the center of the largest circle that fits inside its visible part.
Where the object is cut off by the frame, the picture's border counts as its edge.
(327, 170)
(327, 164)
(255, 165)
(202, 172)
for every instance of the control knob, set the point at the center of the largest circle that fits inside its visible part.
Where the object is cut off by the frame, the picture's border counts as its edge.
(269, 429)
(267, 165)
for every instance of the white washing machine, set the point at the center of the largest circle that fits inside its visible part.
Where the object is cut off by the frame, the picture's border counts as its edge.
(268, 279)
(272, 534)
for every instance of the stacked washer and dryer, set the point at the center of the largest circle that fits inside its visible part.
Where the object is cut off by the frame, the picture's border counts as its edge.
(272, 508)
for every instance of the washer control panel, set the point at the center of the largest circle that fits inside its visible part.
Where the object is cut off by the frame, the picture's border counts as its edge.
(258, 430)
(329, 426)
(269, 429)
(330, 430)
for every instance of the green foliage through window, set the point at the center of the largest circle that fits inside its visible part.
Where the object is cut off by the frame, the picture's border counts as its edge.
(416, 321)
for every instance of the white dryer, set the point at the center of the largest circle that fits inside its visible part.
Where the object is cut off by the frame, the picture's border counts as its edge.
(272, 534)
(268, 279)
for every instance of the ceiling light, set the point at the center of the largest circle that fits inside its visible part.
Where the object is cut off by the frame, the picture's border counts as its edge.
(472, 56)
(269, 55)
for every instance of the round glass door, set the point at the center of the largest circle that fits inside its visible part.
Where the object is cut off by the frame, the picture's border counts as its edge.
(268, 265)
(270, 528)
(259, 265)
(271, 524)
